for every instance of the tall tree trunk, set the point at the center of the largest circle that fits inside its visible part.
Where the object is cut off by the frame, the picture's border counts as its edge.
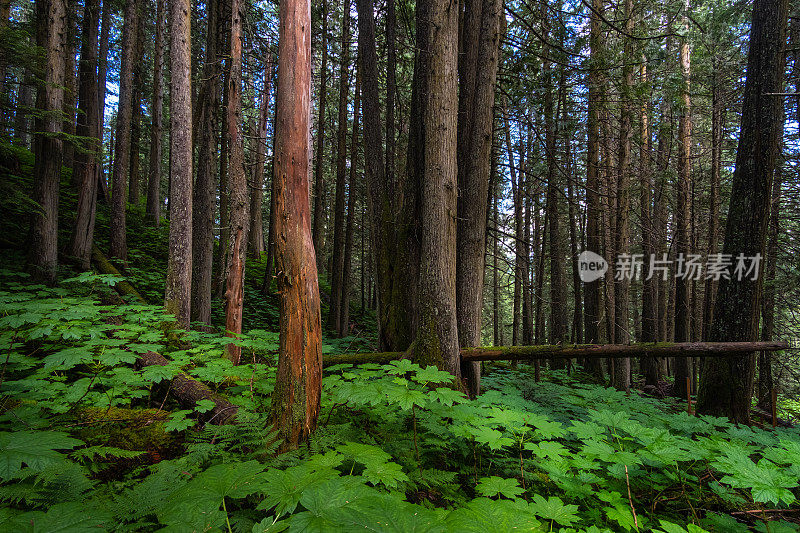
(683, 215)
(558, 301)
(344, 320)
(518, 255)
(153, 209)
(650, 366)
(337, 270)
(296, 399)
(713, 199)
(726, 386)
(475, 133)
(238, 193)
(621, 377)
(205, 187)
(436, 340)
(391, 92)
(177, 295)
(592, 315)
(320, 201)
(85, 169)
(70, 84)
(765, 380)
(122, 147)
(135, 180)
(257, 194)
(50, 30)
(102, 70)
(497, 319)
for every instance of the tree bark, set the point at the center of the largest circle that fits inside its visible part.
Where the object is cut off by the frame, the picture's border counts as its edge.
(592, 316)
(205, 187)
(102, 70)
(238, 193)
(50, 32)
(296, 399)
(257, 194)
(480, 45)
(122, 147)
(337, 270)
(85, 168)
(177, 295)
(683, 214)
(153, 208)
(320, 207)
(436, 341)
(765, 379)
(344, 307)
(621, 378)
(726, 386)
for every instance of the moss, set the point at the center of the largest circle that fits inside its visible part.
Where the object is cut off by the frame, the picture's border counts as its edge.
(129, 429)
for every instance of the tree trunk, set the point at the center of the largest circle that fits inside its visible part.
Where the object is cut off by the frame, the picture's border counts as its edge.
(621, 378)
(650, 367)
(102, 70)
(592, 315)
(238, 193)
(204, 198)
(765, 381)
(85, 169)
(257, 194)
(70, 85)
(153, 209)
(134, 184)
(475, 133)
(177, 296)
(713, 200)
(43, 254)
(683, 216)
(296, 399)
(122, 147)
(344, 320)
(726, 386)
(337, 270)
(519, 272)
(436, 340)
(558, 301)
(320, 207)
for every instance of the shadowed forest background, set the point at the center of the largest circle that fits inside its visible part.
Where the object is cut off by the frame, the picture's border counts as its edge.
(316, 266)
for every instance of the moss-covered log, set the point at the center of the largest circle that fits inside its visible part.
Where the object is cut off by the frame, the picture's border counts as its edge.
(546, 351)
(104, 266)
(189, 391)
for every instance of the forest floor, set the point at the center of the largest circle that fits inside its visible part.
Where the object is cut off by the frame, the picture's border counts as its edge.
(90, 439)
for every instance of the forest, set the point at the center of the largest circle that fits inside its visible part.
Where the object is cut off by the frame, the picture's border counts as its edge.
(399, 266)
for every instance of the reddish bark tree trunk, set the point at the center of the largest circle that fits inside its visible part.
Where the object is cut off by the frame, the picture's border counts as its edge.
(296, 399)
(238, 193)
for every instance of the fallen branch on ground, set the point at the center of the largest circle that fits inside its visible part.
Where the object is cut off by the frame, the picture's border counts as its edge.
(581, 351)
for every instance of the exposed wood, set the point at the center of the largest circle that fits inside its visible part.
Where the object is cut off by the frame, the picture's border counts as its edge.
(298, 385)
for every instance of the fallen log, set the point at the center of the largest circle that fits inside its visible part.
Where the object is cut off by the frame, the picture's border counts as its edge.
(189, 391)
(104, 266)
(583, 351)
